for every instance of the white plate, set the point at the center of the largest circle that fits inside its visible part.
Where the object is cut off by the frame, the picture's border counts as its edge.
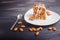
(50, 19)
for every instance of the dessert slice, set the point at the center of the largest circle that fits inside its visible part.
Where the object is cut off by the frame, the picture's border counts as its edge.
(39, 12)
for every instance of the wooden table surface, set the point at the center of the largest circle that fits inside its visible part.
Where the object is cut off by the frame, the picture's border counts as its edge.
(9, 9)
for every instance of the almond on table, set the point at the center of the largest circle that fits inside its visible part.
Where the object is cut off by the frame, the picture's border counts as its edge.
(36, 33)
(39, 28)
(15, 29)
(20, 22)
(30, 29)
(54, 28)
(34, 29)
(22, 26)
(21, 29)
(49, 28)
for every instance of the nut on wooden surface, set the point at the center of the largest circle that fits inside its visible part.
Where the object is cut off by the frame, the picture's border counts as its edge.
(15, 29)
(22, 26)
(39, 28)
(54, 28)
(34, 29)
(49, 28)
(36, 33)
(30, 29)
(20, 22)
(21, 29)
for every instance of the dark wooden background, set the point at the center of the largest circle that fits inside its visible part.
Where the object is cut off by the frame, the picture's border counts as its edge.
(15, 7)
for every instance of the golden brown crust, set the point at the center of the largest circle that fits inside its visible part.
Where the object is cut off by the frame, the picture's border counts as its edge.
(39, 12)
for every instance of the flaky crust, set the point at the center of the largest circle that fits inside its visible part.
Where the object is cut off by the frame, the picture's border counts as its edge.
(39, 12)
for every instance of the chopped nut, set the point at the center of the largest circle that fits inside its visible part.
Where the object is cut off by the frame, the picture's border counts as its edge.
(21, 29)
(50, 28)
(36, 33)
(15, 29)
(19, 22)
(22, 26)
(54, 28)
